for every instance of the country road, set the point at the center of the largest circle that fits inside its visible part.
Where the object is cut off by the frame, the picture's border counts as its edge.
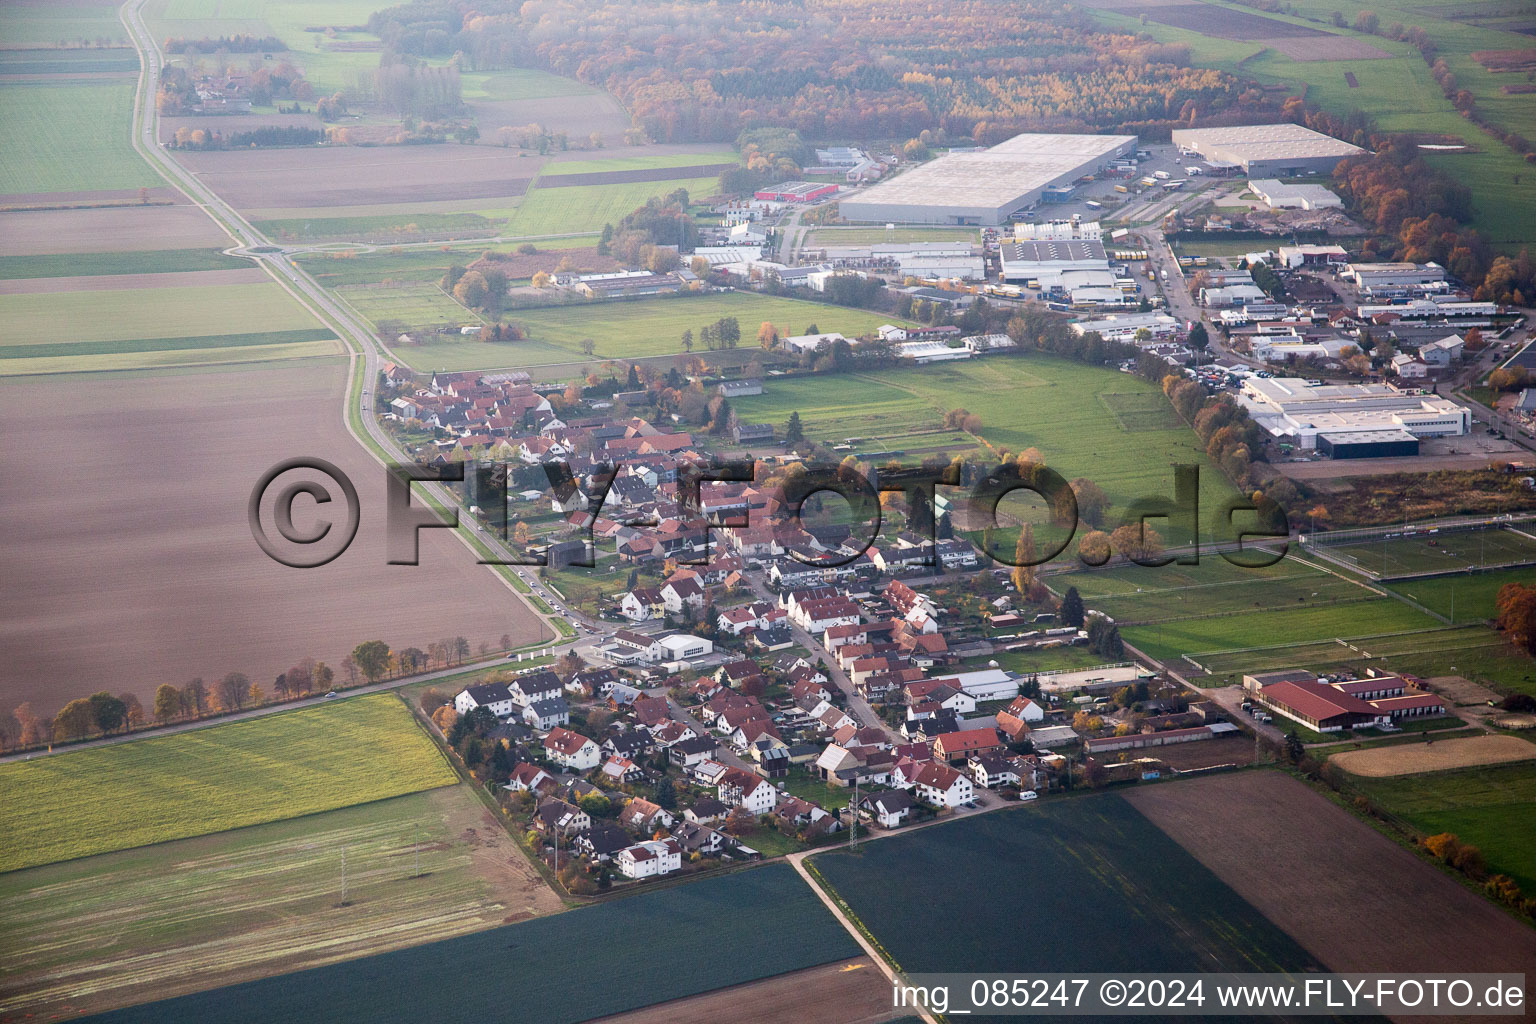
(364, 350)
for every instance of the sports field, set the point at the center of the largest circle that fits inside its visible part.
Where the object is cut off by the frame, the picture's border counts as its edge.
(69, 136)
(708, 934)
(635, 329)
(1087, 422)
(1493, 808)
(1120, 896)
(1310, 640)
(260, 900)
(413, 306)
(1445, 551)
(1463, 598)
(208, 780)
(1138, 595)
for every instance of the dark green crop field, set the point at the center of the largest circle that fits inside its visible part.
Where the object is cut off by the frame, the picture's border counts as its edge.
(571, 967)
(1085, 884)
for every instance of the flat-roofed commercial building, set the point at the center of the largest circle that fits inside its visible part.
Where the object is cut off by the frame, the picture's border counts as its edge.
(1375, 414)
(987, 186)
(1267, 150)
(1045, 262)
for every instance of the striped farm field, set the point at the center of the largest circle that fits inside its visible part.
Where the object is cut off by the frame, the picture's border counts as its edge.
(124, 314)
(79, 803)
(69, 136)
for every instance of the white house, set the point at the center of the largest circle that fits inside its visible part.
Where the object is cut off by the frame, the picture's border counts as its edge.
(640, 604)
(941, 785)
(889, 809)
(535, 686)
(741, 788)
(546, 714)
(571, 750)
(650, 859)
(494, 696)
(637, 646)
(1443, 352)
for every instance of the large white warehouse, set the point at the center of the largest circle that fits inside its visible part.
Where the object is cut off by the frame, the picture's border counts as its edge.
(1266, 150)
(986, 186)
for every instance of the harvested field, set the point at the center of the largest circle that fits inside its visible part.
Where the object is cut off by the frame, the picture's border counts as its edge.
(115, 282)
(577, 115)
(1326, 47)
(353, 176)
(1353, 898)
(1413, 758)
(1185, 757)
(156, 577)
(237, 905)
(851, 992)
(116, 229)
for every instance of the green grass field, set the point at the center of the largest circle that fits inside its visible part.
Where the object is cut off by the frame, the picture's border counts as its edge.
(586, 208)
(1063, 408)
(119, 315)
(68, 62)
(634, 329)
(70, 22)
(69, 136)
(1470, 598)
(1273, 627)
(1120, 896)
(1315, 643)
(715, 932)
(1493, 808)
(1139, 594)
(414, 306)
(86, 802)
(262, 899)
(1445, 551)
(96, 264)
(518, 84)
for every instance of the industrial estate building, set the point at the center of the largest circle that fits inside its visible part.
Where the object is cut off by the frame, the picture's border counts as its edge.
(1351, 420)
(985, 187)
(1277, 195)
(795, 192)
(1266, 150)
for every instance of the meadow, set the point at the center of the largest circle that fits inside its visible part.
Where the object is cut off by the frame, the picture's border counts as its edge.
(584, 209)
(228, 776)
(125, 314)
(716, 932)
(260, 900)
(635, 329)
(693, 157)
(518, 83)
(1122, 896)
(1064, 409)
(69, 136)
(1493, 808)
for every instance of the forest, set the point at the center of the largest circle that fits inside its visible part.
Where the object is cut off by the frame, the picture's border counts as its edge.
(835, 68)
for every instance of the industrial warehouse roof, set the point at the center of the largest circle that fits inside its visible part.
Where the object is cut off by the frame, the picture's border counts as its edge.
(994, 177)
(1258, 142)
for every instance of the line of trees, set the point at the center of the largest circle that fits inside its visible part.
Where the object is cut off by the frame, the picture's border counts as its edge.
(241, 43)
(102, 714)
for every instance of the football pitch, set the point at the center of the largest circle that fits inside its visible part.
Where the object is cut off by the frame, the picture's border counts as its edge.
(1442, 551)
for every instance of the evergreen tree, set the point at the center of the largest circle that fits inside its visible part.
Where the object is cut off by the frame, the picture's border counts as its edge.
(1072, 608)
(793, 431)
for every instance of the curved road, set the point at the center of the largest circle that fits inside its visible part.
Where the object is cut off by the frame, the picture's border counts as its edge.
(363, 348)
